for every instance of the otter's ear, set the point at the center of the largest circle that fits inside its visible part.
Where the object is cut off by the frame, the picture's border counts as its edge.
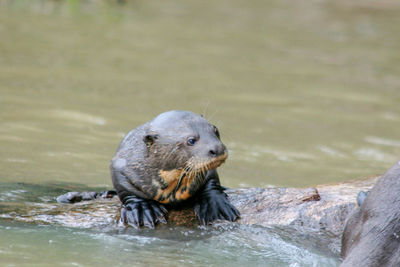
(149, 139)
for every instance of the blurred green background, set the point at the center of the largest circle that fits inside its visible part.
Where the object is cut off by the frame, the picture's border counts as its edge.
(304, 92)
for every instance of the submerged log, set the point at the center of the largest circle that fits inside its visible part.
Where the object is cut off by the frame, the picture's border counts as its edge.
(318, 210)
(321, 208)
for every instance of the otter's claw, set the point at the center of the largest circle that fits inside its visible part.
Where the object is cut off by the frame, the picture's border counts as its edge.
(138, 212)
(213, 204)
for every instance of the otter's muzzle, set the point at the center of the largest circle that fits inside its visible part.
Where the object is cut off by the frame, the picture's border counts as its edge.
(217, 150)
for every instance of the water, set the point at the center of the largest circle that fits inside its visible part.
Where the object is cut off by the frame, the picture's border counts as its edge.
(231, 247)
(303, 93)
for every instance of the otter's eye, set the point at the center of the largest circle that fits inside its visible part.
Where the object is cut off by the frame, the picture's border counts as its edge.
(216, 132)
(191, 141)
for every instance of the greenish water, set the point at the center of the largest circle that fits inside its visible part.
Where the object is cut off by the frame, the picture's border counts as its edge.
(303, 92)
(222, 247)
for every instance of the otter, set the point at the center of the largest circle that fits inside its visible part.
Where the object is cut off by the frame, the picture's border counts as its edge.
(372, 233)
(169, 160)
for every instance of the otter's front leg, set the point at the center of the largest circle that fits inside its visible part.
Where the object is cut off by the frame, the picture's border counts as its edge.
(136, 210)
(139, 212)
(212, 202)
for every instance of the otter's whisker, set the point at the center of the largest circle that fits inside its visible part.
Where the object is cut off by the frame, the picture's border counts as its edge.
(167, 157)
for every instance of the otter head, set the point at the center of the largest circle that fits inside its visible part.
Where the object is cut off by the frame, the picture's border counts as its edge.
(184, 140)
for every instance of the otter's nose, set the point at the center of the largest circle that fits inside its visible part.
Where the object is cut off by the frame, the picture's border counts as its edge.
(216, 151)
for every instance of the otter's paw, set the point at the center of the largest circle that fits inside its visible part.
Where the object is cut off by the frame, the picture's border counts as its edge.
(140, 212)
(215, 206)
